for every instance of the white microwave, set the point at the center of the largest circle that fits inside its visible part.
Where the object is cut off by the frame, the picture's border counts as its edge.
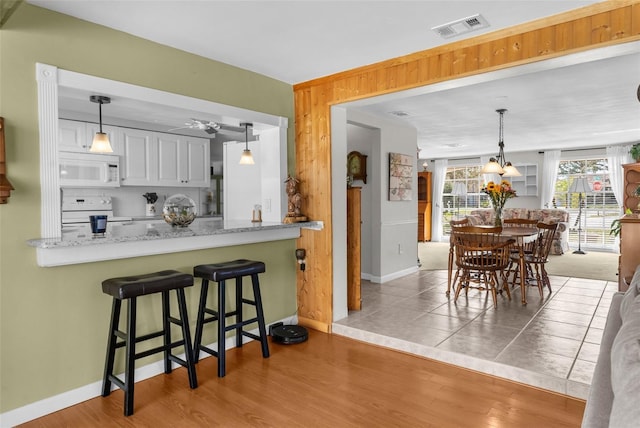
(88, 170)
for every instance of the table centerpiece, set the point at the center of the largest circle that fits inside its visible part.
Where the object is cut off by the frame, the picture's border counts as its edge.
(499, 193)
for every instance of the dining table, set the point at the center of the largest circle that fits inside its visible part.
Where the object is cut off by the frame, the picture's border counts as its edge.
(522, 236)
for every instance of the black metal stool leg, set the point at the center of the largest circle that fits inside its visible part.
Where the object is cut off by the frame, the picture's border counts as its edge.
(197, 340)
(166, 328)
(186, 335)
(130, 352)
(111, 347)
(260, 314)
(221, 329)
(239, 312)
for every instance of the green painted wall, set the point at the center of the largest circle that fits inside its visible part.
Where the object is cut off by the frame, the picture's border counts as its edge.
(53, 321)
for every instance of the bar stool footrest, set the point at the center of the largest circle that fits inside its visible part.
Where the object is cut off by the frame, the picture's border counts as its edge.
(243, 323)
(208, 350)
(251, 335)
(116, 380)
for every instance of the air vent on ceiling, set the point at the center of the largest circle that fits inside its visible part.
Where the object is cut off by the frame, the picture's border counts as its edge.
(461, 26)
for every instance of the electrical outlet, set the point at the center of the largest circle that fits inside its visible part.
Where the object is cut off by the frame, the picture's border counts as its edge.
(400, 251)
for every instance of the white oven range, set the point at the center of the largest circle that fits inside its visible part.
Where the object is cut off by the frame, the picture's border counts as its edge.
(77, 209)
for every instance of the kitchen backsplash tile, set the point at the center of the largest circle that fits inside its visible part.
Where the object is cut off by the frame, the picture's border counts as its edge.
(129, 202)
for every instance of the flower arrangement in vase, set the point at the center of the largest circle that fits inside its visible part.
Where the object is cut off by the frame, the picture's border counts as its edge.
(498, 195)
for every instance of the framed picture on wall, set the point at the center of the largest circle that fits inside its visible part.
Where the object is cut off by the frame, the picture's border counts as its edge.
(400, 177)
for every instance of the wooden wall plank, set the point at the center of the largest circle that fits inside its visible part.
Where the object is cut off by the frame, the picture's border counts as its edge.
(593, 26)
(514, 48)
(635, 19)
(529, 45)
(620, 22)
(546, 42)
(582, 32)
(601, 28)
(564, 37)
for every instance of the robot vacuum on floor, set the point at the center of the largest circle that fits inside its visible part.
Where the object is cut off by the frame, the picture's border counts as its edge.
(288, 334)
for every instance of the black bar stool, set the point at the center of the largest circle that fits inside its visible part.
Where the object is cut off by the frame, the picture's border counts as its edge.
(220, 272)
(130, 288)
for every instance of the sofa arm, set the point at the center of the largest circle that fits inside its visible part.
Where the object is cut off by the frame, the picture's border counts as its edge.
(561, 237)
(474, 220)
(600, 400)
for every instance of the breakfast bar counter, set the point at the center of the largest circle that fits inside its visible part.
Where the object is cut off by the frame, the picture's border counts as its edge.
(136, 239)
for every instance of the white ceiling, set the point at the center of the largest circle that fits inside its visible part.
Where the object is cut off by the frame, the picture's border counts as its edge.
(558, 105)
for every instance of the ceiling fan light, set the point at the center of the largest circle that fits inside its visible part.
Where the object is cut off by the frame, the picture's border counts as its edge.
(492, 167)
(510, 170)
(246, 158)
(101, 143)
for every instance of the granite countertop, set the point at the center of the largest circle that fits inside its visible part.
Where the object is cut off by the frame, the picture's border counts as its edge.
(161, 218)
(143, 231)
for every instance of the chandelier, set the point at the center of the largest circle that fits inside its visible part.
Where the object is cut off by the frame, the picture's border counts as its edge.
(499, 165)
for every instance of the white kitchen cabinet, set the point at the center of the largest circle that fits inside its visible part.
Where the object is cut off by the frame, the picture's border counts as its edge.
(140, 157)
(183, 161)
(76, 136)
(148, 158)
(72, 136)
(159, 159)
(168, 152)
(195, 160)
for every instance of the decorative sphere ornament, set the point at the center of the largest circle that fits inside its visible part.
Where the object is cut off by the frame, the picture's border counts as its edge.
(179, 210)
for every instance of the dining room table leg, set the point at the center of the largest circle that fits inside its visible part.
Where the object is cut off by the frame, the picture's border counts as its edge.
(450, 271)
(523, 277)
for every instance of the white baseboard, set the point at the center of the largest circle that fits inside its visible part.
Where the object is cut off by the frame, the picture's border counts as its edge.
(392, 276)
(66, 399)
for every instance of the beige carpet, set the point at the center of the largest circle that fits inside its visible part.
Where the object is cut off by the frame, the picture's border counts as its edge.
(593, 265)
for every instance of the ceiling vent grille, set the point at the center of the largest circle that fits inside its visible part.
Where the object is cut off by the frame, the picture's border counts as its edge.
(461, 26)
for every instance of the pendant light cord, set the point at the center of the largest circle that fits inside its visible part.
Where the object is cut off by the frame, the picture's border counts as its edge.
(100, 114)
(501, 160)
(246, 136)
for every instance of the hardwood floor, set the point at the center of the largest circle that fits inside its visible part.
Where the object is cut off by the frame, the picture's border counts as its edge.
(328, 381)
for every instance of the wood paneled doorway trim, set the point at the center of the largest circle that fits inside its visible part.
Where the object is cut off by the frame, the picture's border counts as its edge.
(599, 25)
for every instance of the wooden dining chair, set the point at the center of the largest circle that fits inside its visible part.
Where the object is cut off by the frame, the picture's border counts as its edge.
(454, 224)
(536, 260)
(481, 257)
(527, 247)
(521, 222)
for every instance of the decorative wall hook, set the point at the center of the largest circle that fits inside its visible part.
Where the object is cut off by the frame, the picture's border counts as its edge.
(5, 184)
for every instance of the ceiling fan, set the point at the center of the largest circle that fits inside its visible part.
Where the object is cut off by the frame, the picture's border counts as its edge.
(204, 125)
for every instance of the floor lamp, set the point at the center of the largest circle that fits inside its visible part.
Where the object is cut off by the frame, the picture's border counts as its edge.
(459, 190)
(580, 185)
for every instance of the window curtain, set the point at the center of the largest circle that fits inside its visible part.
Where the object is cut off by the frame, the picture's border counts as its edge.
(439, 174)
(549, 177)
(616, 157)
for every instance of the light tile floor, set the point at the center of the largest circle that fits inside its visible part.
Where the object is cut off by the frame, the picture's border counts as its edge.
(550, 343)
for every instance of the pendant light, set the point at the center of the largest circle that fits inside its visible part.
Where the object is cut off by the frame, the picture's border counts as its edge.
(498, 165)
(247, 157)
(100, 142)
